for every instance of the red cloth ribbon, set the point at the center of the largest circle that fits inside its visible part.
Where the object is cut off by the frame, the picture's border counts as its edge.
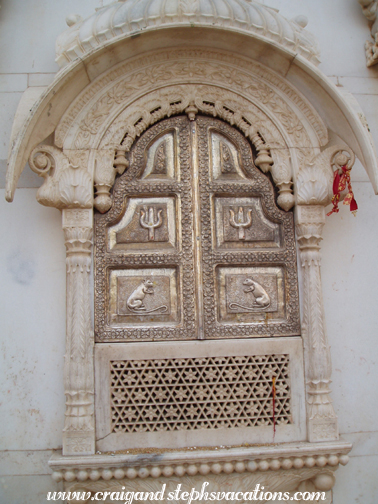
(340, 182)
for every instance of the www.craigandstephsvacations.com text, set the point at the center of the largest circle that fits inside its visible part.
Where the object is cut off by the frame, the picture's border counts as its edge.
(187, 497)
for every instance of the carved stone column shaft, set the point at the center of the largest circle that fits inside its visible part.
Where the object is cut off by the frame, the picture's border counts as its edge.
(321, 418)
(78, 432)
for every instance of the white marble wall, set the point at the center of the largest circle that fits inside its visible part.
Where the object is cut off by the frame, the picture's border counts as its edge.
(349, 270)
(32, 287)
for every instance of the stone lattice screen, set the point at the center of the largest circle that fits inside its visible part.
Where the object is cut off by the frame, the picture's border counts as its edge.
(202, 393)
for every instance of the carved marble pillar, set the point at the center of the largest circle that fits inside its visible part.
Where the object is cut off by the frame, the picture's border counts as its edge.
(321, 418)
(78, 432)
(69, 187)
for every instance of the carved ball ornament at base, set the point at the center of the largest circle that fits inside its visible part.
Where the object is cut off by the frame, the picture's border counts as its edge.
(324, 479)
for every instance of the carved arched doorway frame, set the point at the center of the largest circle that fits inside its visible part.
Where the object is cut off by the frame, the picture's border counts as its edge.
(91, 142)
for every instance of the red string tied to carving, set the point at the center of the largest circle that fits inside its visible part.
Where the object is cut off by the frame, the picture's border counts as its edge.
(340, 183)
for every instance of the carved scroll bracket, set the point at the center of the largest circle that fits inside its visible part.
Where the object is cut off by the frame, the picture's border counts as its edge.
(78, 432)
(321, 418)
(370, 10)
(314, 181)
(66, 185)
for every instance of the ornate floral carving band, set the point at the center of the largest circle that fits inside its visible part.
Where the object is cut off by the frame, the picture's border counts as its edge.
(119, 87)
(104, 122)
(216, 104)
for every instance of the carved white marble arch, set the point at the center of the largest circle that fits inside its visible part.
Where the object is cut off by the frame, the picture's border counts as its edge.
(38, 116)
(96, 107)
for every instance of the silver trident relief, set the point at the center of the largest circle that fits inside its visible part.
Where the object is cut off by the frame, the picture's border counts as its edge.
(149, 221)
(239, 223)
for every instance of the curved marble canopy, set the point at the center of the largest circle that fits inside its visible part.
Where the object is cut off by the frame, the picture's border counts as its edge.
(130, 17)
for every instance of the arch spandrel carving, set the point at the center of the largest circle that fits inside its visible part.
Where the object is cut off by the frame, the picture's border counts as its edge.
(208, 99)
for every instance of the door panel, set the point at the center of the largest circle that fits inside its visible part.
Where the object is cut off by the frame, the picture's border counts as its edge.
(144, 244)
(248, 249)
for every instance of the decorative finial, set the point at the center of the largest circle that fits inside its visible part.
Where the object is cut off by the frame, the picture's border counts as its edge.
(73, 19)
(302, 21)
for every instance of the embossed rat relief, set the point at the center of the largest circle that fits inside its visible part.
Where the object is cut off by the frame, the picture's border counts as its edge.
(194, 246)
(261, 299)
(135, 302)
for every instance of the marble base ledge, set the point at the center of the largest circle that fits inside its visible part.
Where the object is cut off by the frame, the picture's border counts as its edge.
(302, 461)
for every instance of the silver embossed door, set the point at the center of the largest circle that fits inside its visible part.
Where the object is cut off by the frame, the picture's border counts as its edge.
(194, 246)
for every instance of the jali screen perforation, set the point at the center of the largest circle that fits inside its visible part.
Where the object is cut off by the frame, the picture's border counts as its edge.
(199, 393)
